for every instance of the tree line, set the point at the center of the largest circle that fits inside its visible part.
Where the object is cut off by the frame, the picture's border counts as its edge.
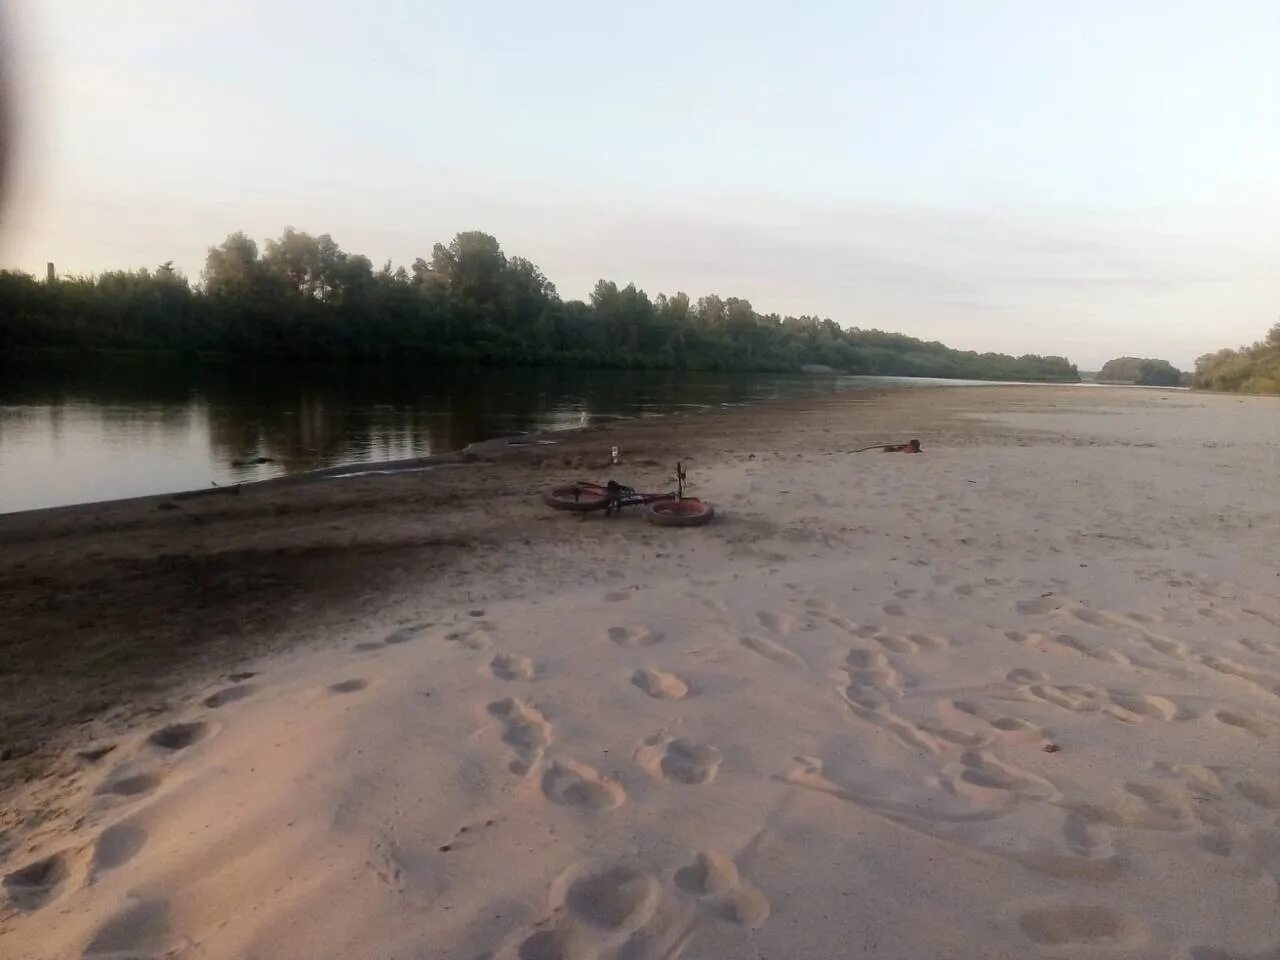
(303, 296)
(1142, 371)
(1252, 369)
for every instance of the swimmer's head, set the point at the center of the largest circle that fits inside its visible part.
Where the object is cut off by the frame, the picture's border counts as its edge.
(914, 445)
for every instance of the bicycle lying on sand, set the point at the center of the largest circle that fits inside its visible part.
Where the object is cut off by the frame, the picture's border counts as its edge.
(670, 509)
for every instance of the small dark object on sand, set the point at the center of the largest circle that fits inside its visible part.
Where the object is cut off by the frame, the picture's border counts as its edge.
(1051, 748)
(911, 446)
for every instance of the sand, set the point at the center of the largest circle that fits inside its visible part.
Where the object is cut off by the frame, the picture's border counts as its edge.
(1016, 697)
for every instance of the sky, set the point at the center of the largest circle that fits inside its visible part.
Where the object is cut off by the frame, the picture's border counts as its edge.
(1089, 179)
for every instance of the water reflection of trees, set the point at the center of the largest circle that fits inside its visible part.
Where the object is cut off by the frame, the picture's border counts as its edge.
(303, 415)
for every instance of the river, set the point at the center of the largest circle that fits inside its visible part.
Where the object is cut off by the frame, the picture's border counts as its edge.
(76, 431)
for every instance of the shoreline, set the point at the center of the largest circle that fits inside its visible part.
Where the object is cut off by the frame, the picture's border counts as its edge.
(866, 655)
(489, 447)
(84, 574)
(471, 453)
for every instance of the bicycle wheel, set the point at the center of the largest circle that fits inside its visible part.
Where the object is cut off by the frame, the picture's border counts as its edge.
(688, 512)
(577, 497)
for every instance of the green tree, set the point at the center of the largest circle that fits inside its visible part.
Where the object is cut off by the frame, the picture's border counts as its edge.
(1251, 369)
(305, 296)
(232, 266)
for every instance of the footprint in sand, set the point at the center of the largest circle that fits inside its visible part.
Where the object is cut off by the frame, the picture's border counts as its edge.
(777, 623)
(135, 785)
(1262, 792)
(1090, 926)
(94, 754)
(1231, 668)
(31, 887)
(509, 666)
(473, 636)
(1263, 647)
(771, 650)
(140, 930)
(229, 695)
(1219, 617)
(179, 736)
(1140, 806)
(874, 685)
(681, 760)
(348, 686)
(1149, 705)
(1034, 685)
(1013, 728)
(1082, 836)
(711, 603)
(895, 643)
(117, 846)
(1065, 641)
(873, 682)
(1037, 607)
(635, 636)
(1069, 696)
(525, 730)
(709, 874)
(1166, 646)
(1249, 722)
(983, 779)
(1146, 618)
(561, 943)
(565, 942)
(862, 630)
(714, 880)
(573, 784)
(1093, 651)
(911, 643)
(1021, 676)
(1201, 780)
(867, 660)
(1265, 617)
(1033, 638)
(659, 685)
(404, 634)
(611, 898)
(1095, 618)
(821, 606)
(1218, 843)
(1272, 619)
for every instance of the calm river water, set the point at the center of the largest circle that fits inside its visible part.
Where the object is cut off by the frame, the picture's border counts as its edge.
(74, 432)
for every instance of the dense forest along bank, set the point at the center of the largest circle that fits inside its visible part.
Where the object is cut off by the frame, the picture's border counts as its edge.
(303, 296)
(77, 431)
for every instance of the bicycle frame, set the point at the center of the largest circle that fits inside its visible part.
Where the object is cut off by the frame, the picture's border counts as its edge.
(618, 496)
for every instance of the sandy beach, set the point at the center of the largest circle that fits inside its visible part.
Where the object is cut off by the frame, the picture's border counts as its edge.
(1016, 697)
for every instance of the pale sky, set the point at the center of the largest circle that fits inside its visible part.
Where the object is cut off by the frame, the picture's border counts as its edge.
(1089, 179)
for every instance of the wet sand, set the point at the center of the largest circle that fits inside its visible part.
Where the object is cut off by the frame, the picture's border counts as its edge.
(1017, 696)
